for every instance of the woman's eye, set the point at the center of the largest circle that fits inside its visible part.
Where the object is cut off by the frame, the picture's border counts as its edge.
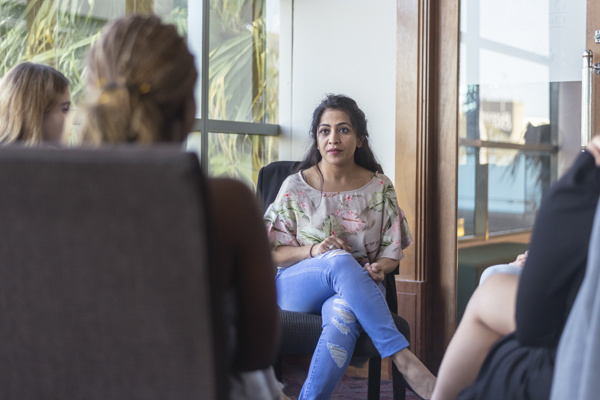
(344, 130)
(66, 109)
(323, 132)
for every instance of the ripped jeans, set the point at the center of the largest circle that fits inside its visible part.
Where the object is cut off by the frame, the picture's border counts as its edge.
(336, 286)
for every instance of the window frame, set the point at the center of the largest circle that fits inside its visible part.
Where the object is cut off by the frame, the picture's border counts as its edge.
(205, 125)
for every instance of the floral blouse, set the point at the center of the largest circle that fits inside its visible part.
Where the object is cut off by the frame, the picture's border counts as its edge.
(368, 219)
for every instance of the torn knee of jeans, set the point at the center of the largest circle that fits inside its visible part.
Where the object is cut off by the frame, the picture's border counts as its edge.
(342, 327)
(338, 354)
(343, 310)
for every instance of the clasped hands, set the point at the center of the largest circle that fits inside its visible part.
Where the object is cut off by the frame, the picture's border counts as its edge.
(333, 242)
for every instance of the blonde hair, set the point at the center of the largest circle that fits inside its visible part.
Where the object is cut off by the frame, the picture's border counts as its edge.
(140, 74)
(27, 91)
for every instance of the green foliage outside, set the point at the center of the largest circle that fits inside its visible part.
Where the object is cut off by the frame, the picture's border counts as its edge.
(243, 73)
(243, 86)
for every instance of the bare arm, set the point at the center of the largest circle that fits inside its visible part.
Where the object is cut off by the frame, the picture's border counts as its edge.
(245, 253)
(380, 268)
(284, 256)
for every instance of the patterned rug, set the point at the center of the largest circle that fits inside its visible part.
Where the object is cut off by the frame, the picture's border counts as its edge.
(350, 387)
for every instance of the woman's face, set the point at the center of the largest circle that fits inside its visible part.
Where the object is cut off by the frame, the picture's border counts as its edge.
(54, 118)
(337, 138)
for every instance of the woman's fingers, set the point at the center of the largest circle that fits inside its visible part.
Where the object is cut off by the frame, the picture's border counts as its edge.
(375, 272)
(333, 242)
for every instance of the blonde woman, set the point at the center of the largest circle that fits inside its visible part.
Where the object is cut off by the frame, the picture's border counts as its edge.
(34, 101)
(140, 89)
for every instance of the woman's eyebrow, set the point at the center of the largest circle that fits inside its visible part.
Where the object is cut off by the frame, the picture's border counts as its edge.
(341, 123)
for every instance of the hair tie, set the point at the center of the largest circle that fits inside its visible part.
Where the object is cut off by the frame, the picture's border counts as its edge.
(105, 89)
(144, 88)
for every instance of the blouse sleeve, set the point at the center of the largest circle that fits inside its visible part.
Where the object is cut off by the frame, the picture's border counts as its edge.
(395, 233)
(280, 218)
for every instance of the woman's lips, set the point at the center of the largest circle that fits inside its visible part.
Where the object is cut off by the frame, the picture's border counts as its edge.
(334, 151)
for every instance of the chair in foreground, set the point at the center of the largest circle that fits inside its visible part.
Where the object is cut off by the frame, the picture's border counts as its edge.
(300, 332)
(104, 278)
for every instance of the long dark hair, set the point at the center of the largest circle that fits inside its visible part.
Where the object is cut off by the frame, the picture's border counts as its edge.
(363, 155)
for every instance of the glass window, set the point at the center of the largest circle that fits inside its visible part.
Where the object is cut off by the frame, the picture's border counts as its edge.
(243, 61)
(240, 156)
(60, 32)
(243, 64)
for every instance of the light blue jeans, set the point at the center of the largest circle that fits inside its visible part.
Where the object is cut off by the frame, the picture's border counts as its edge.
(336, 286)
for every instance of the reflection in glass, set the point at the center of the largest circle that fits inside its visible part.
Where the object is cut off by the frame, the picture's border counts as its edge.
(511, 181)
(519, 96)
(240, 156)
(466, 190)
(518, 181)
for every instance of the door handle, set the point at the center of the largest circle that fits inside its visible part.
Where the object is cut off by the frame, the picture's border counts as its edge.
(586, 97)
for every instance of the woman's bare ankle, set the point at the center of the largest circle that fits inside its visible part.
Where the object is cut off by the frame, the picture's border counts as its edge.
(416, 374)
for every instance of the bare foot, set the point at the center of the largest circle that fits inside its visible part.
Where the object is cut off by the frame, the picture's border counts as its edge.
(415, 373)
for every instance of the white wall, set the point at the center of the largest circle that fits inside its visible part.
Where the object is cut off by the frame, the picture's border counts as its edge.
(343, 47)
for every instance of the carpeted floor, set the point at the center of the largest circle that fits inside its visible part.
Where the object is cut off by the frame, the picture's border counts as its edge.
(350, 388)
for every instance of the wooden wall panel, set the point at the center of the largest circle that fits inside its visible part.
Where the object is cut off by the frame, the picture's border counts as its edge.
(410, 294)
(426, 165)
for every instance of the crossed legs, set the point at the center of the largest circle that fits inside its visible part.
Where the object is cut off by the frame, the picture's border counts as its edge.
(306, 287)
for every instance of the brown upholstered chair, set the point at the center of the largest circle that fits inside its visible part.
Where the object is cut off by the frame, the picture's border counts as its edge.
(105, 290)
(300, 332)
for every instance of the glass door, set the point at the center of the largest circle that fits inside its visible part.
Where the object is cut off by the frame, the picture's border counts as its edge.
(520, 109)
(520, 90)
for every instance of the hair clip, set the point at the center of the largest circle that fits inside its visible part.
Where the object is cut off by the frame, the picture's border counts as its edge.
(145, 88)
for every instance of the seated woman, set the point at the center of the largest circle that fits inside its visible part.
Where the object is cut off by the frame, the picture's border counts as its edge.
(140, 89)
(34, 101)
(336, 230)
(497, 353)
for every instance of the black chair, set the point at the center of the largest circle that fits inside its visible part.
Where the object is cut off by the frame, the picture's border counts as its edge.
(300, 332)
(105, 285)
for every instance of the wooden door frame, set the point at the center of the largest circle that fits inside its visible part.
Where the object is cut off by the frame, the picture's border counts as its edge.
(426, 167)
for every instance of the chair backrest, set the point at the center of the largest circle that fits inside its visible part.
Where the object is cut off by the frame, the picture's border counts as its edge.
(270, 178)
(104, 278)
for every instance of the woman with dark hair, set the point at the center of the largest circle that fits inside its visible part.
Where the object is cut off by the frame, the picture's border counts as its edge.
(363, 155)
(336, 230)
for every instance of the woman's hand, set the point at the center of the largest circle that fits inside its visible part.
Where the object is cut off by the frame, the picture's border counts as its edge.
(331, 243)
(521, 258)
(375, 271)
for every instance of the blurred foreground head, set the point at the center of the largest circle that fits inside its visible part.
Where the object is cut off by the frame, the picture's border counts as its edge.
(139, 85)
